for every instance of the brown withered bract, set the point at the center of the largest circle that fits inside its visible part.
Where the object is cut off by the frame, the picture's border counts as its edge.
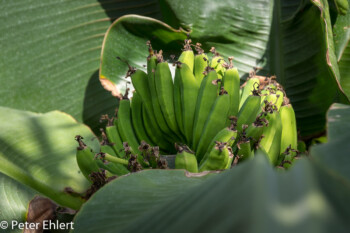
(99, 179)
(134, 165)
(82, 145)
(198, 48)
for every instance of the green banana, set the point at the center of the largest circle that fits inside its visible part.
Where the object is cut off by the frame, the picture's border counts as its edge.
(231, 84)
(250, 85)
(106, 145)
(271, 98)
(134, 162)
(186, 160)
(289, 130)
(217, 159)
(200, 63)
(189, 92)
(342, 6)
(206, 98)
(217, 63)
(286, 159)
(215, 122)
(276, 99)
(226, 135)
(165, 94)
(151, 63)
(155, 109)
(272, 84)
(256, 129)
(116, 169)
(140, 82)
(280, 96)
(114, 159)
(136, 113)
(85, 159)
(177, 99)
(154, 132)
(113, 136)
(141, 85)
(264, 93)
(229, 162)
(249, 111)
(244, 149)
(187, 55)
(125, 125)
(271, 142)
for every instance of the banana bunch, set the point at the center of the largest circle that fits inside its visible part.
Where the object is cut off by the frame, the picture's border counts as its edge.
(203, 115)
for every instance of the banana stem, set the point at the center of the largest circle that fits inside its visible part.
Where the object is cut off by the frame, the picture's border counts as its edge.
(114, 159)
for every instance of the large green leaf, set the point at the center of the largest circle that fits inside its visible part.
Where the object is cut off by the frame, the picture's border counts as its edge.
(252, 197)
(334, 155)
(39, 150)
(131, 196)
(292, 39)
(50, 54)
(344, 68)
(341, 30)
(341, 33)
(14, 201)
(338, 119)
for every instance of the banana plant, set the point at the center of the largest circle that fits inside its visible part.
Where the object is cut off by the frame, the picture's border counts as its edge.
(50, 59)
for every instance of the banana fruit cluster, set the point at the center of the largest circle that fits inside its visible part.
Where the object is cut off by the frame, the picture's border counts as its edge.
(203, 115)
